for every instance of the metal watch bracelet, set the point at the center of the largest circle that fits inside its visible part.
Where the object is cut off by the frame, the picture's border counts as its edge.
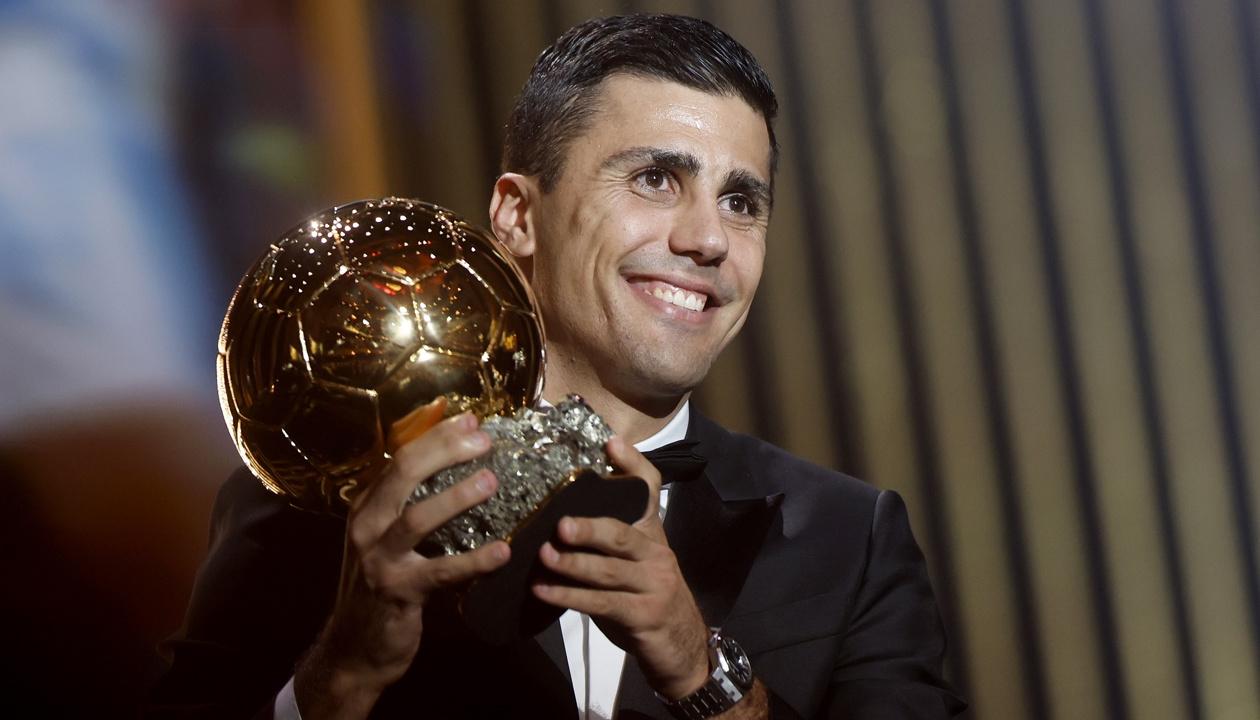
(730, 678)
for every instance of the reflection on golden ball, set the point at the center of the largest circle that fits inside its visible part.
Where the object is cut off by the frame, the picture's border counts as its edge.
(353, 319)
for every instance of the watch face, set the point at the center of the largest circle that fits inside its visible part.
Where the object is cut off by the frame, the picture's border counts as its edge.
(739, 668)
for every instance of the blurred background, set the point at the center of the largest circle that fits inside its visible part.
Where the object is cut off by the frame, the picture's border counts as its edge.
(1011, 274)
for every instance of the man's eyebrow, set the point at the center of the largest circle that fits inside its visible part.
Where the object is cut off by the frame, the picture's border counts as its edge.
(739, 180)
(757, 190)
(669, 159)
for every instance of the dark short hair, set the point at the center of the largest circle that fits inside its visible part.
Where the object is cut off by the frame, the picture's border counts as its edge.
(559, 97)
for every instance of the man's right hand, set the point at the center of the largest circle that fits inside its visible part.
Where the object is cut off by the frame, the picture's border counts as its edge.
(374, 631)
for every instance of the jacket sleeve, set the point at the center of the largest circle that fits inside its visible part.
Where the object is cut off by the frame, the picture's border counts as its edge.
(260, 598)
(890, 662)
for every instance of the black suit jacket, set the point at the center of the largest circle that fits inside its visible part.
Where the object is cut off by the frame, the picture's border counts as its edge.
(816, 574)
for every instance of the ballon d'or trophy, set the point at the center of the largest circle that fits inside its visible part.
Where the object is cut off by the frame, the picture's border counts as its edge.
(368, 323)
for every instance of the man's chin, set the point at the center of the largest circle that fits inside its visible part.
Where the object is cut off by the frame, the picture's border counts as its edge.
(666, 381)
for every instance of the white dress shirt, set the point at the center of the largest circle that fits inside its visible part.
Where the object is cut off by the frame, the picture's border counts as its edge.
(595, 663)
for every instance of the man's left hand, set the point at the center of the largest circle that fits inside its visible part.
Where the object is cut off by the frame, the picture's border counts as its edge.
(630, 584)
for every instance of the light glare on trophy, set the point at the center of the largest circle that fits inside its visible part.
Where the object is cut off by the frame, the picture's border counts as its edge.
(352, 325)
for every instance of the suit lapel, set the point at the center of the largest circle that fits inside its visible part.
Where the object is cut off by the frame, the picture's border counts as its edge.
(715, 524)
(716, 542)
(551, 641)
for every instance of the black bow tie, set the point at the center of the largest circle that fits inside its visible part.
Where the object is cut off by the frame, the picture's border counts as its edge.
(677, 461)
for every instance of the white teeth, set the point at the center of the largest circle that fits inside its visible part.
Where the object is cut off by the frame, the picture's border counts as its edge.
(680, 297)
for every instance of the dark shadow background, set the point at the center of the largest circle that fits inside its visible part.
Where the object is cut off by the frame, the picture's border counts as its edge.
(1011, 275)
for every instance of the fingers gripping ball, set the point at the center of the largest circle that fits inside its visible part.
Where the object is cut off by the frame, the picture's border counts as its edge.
(354, 319)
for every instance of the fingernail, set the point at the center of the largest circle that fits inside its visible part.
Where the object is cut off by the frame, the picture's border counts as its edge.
(467, 421)
(501, 551)
(485, 481)
(477, 441)
(566, 526)
(548, 552)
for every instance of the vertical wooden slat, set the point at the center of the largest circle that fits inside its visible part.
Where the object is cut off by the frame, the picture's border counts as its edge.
(1246, 21)
(400, 55)
(452, 168)
(726, 390)
(1220, 84)
(514, 35)
(821, 246)
(1216, 316)
(336, 34)
(502, 41)
(555, 19)
(1153, 621)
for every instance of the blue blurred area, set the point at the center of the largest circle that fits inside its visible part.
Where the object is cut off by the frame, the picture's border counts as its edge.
(103, 287)
(110, 439)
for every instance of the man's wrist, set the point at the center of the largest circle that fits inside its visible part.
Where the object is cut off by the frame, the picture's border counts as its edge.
(323, 689)
(697, 679)
(697, 666)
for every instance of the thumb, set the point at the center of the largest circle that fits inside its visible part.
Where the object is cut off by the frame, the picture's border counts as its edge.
(626, 459)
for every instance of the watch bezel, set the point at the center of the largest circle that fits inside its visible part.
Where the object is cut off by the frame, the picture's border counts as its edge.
(734, 661)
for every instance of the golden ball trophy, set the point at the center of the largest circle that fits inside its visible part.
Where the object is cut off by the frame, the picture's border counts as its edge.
(367, 323)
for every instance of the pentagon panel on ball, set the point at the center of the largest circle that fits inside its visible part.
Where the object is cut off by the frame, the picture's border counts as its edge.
(352, 320)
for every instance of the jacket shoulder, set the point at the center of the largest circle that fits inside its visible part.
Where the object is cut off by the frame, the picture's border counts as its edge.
(769, 469)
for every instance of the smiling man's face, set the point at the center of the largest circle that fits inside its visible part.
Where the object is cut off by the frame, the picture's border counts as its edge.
(650, 246)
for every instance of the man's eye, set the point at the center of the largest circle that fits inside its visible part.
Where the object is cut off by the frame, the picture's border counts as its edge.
(655, 178)
(738, 204)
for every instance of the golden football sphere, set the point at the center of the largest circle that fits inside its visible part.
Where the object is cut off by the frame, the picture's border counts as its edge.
(355, 318)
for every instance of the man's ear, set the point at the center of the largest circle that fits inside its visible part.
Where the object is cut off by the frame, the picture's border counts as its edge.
(512, 213)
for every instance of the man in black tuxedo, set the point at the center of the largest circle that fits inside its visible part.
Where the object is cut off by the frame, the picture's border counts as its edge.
(639, 165)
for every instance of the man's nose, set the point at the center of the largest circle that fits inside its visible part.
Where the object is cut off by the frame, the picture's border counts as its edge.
(700, 235)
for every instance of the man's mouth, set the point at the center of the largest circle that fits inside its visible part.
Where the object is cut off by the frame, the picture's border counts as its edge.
(679, 297)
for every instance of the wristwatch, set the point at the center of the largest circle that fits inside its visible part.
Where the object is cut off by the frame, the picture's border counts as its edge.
(730, 677)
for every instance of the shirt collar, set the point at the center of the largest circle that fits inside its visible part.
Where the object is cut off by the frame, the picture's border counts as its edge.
(674, 430)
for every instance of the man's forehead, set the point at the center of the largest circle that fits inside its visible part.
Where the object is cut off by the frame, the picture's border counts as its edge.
(666, 114)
